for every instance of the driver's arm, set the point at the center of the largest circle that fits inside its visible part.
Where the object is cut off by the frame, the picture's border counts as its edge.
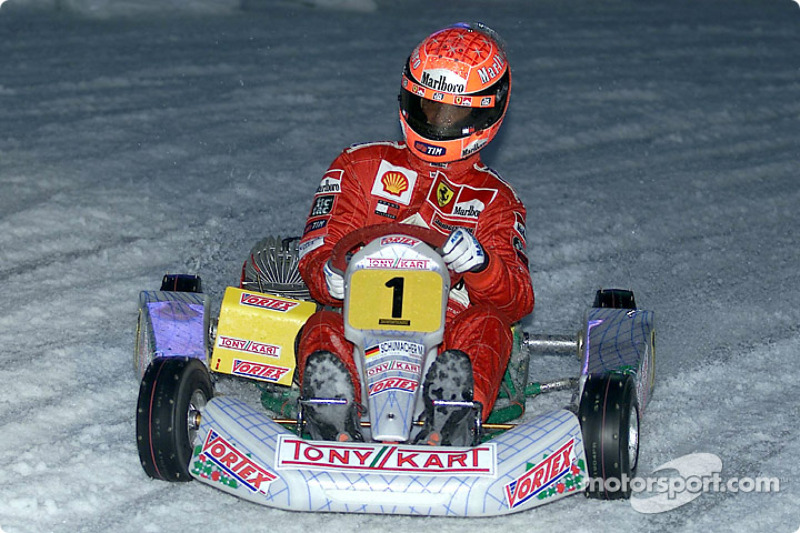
(505, 282)
(339, 207)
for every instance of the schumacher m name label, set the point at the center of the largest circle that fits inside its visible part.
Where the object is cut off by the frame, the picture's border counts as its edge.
(541, 476)
(395, 348)
(225, 455)
(294, 453)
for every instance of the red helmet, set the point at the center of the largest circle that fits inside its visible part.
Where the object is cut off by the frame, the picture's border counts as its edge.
(454, 92)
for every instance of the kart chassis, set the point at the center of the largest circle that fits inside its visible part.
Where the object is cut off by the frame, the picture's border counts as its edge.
(246, 451)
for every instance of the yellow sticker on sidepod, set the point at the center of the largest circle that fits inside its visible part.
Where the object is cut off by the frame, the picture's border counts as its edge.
(256, 335)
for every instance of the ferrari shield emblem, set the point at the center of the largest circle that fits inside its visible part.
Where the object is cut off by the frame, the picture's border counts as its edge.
(443, 194)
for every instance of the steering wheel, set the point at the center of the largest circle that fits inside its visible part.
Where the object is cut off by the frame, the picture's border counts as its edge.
(361, 237)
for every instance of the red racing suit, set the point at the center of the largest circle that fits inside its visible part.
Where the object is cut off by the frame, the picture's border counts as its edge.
(384, 182)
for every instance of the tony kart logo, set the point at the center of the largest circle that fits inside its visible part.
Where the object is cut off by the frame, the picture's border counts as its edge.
(247, 346)
(382, 458)
(233, 462)
(399, 366)
(540, 476)
(397, 264)
(265, 302)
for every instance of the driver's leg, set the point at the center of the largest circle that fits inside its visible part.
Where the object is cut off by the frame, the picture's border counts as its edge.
(324, 331)
(326, 370)
(484, 334)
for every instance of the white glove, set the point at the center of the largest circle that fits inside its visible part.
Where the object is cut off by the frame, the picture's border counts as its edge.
(462, 252)
(334, 280)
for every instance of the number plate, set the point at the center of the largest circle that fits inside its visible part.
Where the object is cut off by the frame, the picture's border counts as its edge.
(405, 300)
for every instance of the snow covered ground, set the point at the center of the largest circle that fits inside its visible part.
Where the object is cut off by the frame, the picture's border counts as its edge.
(654, 142)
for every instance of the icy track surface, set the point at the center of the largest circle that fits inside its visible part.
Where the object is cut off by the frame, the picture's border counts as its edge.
(654, 143)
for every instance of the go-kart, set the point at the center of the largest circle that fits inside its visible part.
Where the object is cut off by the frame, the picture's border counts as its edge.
(396, 294)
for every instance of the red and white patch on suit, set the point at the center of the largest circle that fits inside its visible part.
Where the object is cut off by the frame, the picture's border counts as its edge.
(331, 182)
(519, 226)
(461, 201)
(446, 225)
(449, 205)
(394, 183)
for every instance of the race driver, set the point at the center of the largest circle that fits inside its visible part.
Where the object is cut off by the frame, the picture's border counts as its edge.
(454, 96)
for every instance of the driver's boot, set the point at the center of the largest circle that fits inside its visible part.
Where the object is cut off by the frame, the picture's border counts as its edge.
(326, 378)
(449, 378)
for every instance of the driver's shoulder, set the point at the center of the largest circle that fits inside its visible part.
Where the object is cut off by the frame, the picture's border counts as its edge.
(490, 178)
(374, 151)
(367, 162)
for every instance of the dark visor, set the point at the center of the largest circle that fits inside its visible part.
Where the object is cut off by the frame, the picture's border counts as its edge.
(445, 122)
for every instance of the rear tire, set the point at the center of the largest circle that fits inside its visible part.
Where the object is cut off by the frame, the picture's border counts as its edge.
(609, 417)
(172, 392)
(615, 299)
(182, 283)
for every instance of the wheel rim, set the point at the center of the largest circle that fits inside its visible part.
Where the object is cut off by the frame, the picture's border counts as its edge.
(196, 403)
(633, 438)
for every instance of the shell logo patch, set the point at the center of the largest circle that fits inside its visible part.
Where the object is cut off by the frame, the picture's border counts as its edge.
(394, 183)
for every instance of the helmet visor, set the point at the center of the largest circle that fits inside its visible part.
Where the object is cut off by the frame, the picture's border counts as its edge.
(441, 121)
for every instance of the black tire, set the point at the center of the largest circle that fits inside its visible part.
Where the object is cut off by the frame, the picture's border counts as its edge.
(615, 299)
(609, 417)
(182, 283)
(171, 391)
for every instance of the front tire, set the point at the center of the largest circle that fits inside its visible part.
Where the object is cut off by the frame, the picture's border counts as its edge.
(172, 392)
(609, 417)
